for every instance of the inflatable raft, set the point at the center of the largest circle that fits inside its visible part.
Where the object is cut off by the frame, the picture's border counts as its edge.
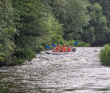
(61, 53)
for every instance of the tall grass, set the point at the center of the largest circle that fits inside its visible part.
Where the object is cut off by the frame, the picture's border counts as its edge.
(105, 56)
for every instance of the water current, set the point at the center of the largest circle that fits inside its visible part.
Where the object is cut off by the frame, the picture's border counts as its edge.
(79, 72)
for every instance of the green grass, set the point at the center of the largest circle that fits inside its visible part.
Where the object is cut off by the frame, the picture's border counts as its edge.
(105, 56)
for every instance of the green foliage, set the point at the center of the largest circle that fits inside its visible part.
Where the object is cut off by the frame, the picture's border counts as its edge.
(106, 12)
(83, 44)
(73, 14)
(28, 11)
(105, 7)
(16, 61)
(95, 33)
(88, 35)
(27, 26)
(50, 25)
(38, 28)
(80, 43)
(108, 44)
(1, 59)
(21, 55)
(56, 38)
(7, 31)
(29, 54)
(105, 56)
(30, 35)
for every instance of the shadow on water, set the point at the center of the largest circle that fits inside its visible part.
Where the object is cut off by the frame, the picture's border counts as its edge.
(72, 89)
(95, 89)
(15, 87)
(102, 89)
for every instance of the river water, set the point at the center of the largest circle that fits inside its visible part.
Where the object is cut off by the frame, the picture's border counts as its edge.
(80, 72)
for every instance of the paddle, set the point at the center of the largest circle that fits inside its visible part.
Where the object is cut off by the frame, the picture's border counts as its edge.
(48, 47)
(74, 49)
(53, 45)
(75, 43)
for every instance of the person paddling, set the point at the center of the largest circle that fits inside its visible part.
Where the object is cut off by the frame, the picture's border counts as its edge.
(68, 48)
(57, 49)
(63, 48)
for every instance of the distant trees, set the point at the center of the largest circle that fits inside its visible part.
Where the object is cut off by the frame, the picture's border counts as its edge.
(105, 8)
(73, 14)
(105, 4)
(95, 33)
(82, 20)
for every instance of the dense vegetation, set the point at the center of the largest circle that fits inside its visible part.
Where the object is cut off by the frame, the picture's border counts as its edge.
(27, 26)
(105, 56)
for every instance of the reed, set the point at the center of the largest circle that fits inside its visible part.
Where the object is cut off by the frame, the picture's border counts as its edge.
(105, 56)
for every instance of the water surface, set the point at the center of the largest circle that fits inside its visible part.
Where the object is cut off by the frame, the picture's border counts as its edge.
(80, 72)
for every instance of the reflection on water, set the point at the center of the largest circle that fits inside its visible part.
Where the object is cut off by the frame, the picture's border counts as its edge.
(79, 72)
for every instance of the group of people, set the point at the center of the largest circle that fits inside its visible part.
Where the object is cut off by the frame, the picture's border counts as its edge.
(62, 49)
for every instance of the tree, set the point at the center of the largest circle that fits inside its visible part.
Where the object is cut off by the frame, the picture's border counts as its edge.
(7, 31)
(31, 35)
(36, 27)
(50, 25)
(95, 33)
(106, 11)
(73, 14)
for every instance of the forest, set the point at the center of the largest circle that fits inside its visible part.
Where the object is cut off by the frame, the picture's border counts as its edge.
(27, 26)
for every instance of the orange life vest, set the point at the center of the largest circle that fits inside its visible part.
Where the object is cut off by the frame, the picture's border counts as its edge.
(68, 49)
(57, 49)
(63, 49)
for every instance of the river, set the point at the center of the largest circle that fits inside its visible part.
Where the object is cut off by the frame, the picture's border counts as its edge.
(80, 72)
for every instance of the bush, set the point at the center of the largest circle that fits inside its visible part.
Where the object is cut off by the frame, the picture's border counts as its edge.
(16, 61)
(108, 44)
(23, 54)
(1, 59)
(105, 56)
(83, 44)
(29, 54)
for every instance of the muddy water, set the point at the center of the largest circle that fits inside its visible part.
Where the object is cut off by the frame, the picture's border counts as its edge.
(80, 72)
